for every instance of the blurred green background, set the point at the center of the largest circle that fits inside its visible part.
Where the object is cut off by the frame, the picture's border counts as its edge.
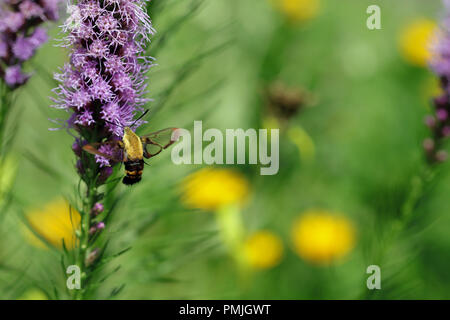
(353, 151)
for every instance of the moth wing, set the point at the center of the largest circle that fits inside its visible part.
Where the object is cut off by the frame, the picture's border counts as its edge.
(157, 141)
(92, 148)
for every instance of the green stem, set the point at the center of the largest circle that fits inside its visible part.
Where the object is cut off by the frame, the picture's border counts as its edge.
(83, 248)
(5, 109)
(232, 232)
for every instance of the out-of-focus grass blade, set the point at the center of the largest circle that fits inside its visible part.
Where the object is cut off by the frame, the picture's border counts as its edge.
(161, 40)
(41, 103)
(45, 75)
(116, 291)
(200, 95)
(183, 73)
(115, 270)
(43, 166)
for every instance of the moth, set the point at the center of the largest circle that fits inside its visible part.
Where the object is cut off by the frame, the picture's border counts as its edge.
(134, 149)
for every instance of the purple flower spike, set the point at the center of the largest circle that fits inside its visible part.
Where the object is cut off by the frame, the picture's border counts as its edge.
(103, 85)
(439, 121)
(105, 80)
(19, 35)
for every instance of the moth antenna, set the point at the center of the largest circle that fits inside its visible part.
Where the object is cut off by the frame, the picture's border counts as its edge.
(114, 124)
(140, 117)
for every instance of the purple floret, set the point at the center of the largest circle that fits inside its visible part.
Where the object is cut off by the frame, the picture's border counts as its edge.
(14, 76)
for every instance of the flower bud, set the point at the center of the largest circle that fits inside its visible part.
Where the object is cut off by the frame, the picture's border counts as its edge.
(442, 114)
(105, 173)
(428, 145)
(76, 148)
(97, 209)
(97, 227)
(80, 167)
(446, 131)
(441, 156)
(92, 256)
(430, 121)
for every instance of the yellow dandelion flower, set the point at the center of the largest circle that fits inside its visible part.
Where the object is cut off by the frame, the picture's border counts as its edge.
(263, 250)
(212, 189)
(416, 40)
(321, 237)
(54, 222)
(298, 10)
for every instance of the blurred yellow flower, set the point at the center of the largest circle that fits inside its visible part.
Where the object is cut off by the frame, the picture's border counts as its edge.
(33, 294)
(416, 40)
(298, 10)
(212, 189)
(53, 223)
(263, 250)
(321, 237)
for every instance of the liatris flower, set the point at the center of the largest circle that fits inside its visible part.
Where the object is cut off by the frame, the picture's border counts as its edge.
(102, 87)
(103, 84)
(20, 35)
(439, 121)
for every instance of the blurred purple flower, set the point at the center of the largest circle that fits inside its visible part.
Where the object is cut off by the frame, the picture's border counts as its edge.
(20, 35)
(23, 48)
(14, 76)
(439, 120)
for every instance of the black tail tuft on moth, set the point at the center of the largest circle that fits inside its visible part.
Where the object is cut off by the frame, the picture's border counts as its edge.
(133, 171)
(130, 180)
